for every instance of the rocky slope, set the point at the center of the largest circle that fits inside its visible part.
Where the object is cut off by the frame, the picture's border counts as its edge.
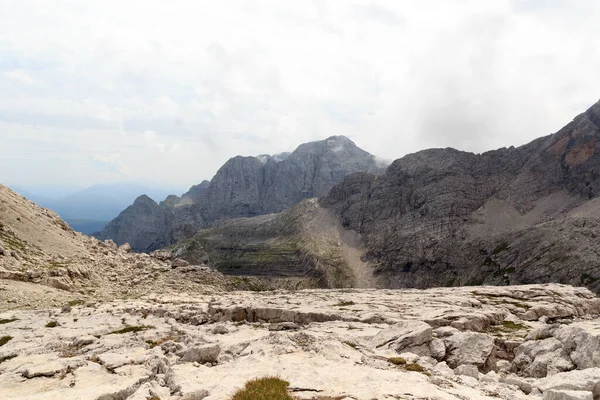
(443, 217)
(528, 342)
(243, 187)
(36, 246)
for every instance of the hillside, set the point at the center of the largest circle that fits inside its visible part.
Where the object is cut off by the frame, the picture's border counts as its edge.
(49, 263)
(242, 187)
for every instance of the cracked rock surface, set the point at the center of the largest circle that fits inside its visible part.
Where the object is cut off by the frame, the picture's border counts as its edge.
(447, 343)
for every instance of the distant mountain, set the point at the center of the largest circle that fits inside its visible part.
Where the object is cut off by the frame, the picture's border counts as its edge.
(89, 210)
(243, 187)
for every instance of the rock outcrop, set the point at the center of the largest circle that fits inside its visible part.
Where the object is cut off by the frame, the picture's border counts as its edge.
(243, 187)
(444, 217)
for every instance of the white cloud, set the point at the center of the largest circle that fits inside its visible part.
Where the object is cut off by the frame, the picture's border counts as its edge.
(175, 88)
(18, 75)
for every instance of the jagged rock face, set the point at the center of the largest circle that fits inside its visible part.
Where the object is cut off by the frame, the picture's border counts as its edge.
(243, 187)
(445, 217)
(248, 186)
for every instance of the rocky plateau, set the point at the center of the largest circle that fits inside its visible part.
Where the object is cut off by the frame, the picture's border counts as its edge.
(515, 342)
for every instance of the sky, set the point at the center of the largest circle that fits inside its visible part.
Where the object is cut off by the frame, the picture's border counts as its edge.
(164, 92)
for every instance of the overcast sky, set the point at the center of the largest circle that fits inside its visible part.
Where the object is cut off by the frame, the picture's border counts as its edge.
(166, 91)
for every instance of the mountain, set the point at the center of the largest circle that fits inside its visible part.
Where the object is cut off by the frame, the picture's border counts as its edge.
(90, 209)
(242, 187)
(444, 217)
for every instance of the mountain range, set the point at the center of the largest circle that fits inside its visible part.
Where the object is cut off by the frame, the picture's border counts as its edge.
(242, 187)
(439, 217)
(330, 215)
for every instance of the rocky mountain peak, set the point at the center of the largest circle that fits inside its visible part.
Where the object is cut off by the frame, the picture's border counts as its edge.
(144, 200)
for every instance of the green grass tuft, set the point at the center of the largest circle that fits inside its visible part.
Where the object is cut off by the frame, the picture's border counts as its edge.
(416, 368)
(397, 361)
(513, 325)
(268, 388)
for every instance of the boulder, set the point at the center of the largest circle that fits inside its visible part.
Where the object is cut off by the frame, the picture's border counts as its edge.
(521, 383)
(219, 330)
(202, 354)
(585, 380)
(443, 369)
(437, 349)
(467, 370)
(538, 358)
(402, 335)
(468, 348)
(567, 395)
(584, 348)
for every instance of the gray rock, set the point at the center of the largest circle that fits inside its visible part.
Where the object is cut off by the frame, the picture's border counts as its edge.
(197, 395)
(219, 330)
(467, 370)
(521, 383)
(585, 380)
(567, 395)
(202, 354)
(403, 335)
(284, 326)
(468, 348)
(437, 349)
(125, 248)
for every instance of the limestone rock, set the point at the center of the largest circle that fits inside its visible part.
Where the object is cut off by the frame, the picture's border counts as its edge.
(585, 380)
(402, 335)
(468, 348)
(202, 354)
(467, 370)
(567, 395)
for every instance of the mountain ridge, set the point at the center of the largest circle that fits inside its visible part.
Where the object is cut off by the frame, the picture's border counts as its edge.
(244, 186)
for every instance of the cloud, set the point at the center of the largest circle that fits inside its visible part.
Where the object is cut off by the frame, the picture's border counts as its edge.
(177, 88)
(18, 75)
